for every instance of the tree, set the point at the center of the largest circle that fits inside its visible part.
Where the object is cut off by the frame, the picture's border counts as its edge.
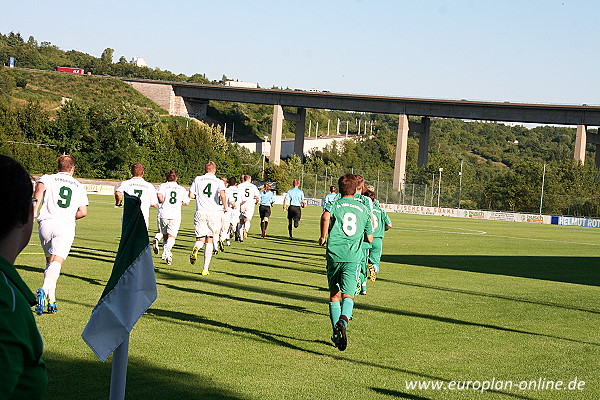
(107, 55)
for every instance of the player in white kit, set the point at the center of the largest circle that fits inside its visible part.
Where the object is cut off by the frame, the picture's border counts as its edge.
(223, 234)
(65, 200)
(211, 203)
(137, 186)
(171, 196)
(233, 199)
(249, 196)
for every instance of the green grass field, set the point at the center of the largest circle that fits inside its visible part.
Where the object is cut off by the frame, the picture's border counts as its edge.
(456, 300)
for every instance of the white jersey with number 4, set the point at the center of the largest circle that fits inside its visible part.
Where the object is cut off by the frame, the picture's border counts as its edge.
(207, 189)
(63, 196)
(174, 196)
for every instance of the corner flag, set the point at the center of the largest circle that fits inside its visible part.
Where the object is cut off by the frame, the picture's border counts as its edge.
(130, 290)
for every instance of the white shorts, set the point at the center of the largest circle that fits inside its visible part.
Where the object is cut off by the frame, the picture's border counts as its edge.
(224, 222)
(207, 223)
(247, 209)
(56, 237)
(168, 226)
(234, 216)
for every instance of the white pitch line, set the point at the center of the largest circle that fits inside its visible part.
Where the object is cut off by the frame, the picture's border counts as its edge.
(484, 233)
(92, 251)
(470, 231)
(544, 240)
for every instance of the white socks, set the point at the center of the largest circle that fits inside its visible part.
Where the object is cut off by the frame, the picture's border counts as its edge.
(51, 275)
(208, 252)
(169, 244)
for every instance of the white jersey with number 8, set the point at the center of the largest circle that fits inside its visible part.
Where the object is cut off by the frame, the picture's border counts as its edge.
(174, 196)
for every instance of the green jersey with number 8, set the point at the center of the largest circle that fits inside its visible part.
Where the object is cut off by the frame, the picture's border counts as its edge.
(350, 221)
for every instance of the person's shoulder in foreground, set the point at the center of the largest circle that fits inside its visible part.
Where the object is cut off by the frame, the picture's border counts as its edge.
(22, 370)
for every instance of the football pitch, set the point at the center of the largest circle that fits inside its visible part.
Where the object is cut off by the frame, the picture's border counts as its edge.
(460, 304)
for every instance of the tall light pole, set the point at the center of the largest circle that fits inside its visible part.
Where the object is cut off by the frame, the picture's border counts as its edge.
(432, 189)
(264, 152)
(439, 185)
(460, 183)
(543, 182)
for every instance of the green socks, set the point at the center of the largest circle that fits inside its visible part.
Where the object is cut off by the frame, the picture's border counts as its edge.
(335, 311)
(347, 306)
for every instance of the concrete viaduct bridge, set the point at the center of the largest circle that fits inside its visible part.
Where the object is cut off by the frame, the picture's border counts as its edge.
(190, 99)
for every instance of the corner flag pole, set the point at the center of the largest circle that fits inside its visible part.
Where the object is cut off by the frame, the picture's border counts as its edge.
(118, 377)
(129, 292)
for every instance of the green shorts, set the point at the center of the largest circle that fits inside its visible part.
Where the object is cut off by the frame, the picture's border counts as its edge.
(363, 274)
(343, 276)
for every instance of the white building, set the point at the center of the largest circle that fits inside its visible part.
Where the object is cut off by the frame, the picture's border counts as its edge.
(138, 61)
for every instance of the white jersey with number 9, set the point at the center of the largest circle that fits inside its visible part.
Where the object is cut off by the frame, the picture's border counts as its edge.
(63, 195)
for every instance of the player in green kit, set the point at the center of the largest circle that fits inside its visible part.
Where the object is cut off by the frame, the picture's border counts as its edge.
(364, 274)
(381, 224)
(345, 224)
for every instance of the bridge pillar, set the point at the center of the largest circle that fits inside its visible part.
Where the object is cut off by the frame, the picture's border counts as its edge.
(276, 134)
(401, 146)
(594, 138)
(300, 121)
(424, 142)
(299, 133)
(580, 142)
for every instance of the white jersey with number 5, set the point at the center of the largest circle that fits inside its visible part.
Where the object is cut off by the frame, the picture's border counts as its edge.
(248, 192)
(233, 196)
(63, 196)
(207, 189)
(174, 195)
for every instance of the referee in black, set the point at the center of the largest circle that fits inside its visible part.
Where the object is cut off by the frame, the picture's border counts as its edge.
(267, 198)
(295, 198)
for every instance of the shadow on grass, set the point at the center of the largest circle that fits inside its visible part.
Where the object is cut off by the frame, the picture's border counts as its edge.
(280, 340)
(243, 299)
(490, 295)
(286, 240)
(400, 395)
(250, 254)
(392, 311)
(579, 270)
(91, 281)
(70, 378)
(280, 267)
(274, 280)
(93, 254)
(294, 255)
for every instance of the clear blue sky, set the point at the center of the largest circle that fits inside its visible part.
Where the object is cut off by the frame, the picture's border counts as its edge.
(543, 51)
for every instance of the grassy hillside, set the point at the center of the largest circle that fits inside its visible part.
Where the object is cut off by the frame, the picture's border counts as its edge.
(48, 88)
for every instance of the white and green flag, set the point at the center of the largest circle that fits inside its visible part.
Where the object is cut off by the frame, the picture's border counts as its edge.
(130, 290)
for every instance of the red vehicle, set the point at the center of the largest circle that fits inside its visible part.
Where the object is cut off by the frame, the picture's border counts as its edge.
(69, 70)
